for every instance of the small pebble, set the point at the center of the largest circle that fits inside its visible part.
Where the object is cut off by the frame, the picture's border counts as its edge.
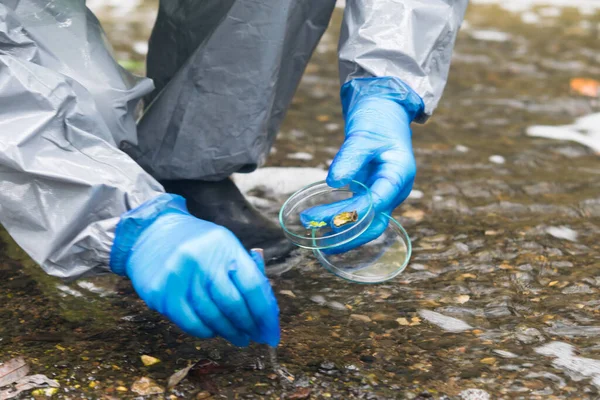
(327, 365)
(203, 395)
(360, 317)
(318, 299)
(336, 306)
(379, 317)
(287, 293)
(149, 360)
(496, 159)
(505, 354)
(474, 394)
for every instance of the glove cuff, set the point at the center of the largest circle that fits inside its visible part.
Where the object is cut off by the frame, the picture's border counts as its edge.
(135, 221)
(390, 88)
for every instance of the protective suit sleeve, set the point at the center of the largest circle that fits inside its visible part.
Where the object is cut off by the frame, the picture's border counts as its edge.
(63, 182)
(408, 39)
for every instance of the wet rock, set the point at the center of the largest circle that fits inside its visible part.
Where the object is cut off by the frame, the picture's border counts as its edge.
(417, 276)
(505, 354)
(327, 365)
(360, 317)
(566, 358)
(461, 311)
(318, 299)
(572, 331)
(203, 395)
(553, 252)
(562, 264)
(549, 376)
(590, 207)
(146, 386)
(474, 394)
(562, 232)
(476, 192)
(288, 293)
(578, 289)
(446, 323)
(541, 188)
(526, 267)
(451, 204)
(551, 209)
(503, 207)
(214, 354)
(261, 390)
(499, 311)
(528, 335)
(334, 305)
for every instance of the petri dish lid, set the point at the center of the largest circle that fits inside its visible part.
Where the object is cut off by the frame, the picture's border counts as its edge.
(376, 261)
(321, 217)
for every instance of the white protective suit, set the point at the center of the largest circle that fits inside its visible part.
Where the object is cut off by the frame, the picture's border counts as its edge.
(71, 159)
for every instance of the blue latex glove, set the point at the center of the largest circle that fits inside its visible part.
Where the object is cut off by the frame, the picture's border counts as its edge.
(377, 150)
(195, 273)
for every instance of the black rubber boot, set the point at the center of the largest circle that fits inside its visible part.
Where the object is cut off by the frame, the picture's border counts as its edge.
(223, 204)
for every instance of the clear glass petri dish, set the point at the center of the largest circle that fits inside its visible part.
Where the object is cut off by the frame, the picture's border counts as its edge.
(366, 248)
(321, 217)
(376, 261)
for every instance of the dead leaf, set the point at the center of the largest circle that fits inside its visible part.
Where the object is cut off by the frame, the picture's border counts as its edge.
(145, 386)
(12, 371)
(585, 87)
(488, 361)
(300, 394)
(27, 383)
(39, 380)
(462, 299)
(178, 377)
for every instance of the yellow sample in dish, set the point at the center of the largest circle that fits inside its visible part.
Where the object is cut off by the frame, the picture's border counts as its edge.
(344, 218)
(315, 224)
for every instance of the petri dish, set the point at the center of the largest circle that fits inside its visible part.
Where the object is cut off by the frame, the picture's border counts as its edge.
(377, 261)
(321, 217)
(373, 248)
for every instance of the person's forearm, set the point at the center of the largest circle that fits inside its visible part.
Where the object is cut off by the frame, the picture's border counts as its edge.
(63, 183)
(409, 39)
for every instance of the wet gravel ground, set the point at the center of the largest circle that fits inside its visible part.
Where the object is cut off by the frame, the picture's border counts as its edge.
(501, 299)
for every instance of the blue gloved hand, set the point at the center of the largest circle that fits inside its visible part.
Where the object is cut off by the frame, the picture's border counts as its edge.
(195, 273)
(377, 150)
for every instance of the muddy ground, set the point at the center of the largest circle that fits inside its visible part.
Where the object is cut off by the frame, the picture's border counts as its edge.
(505, 232)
